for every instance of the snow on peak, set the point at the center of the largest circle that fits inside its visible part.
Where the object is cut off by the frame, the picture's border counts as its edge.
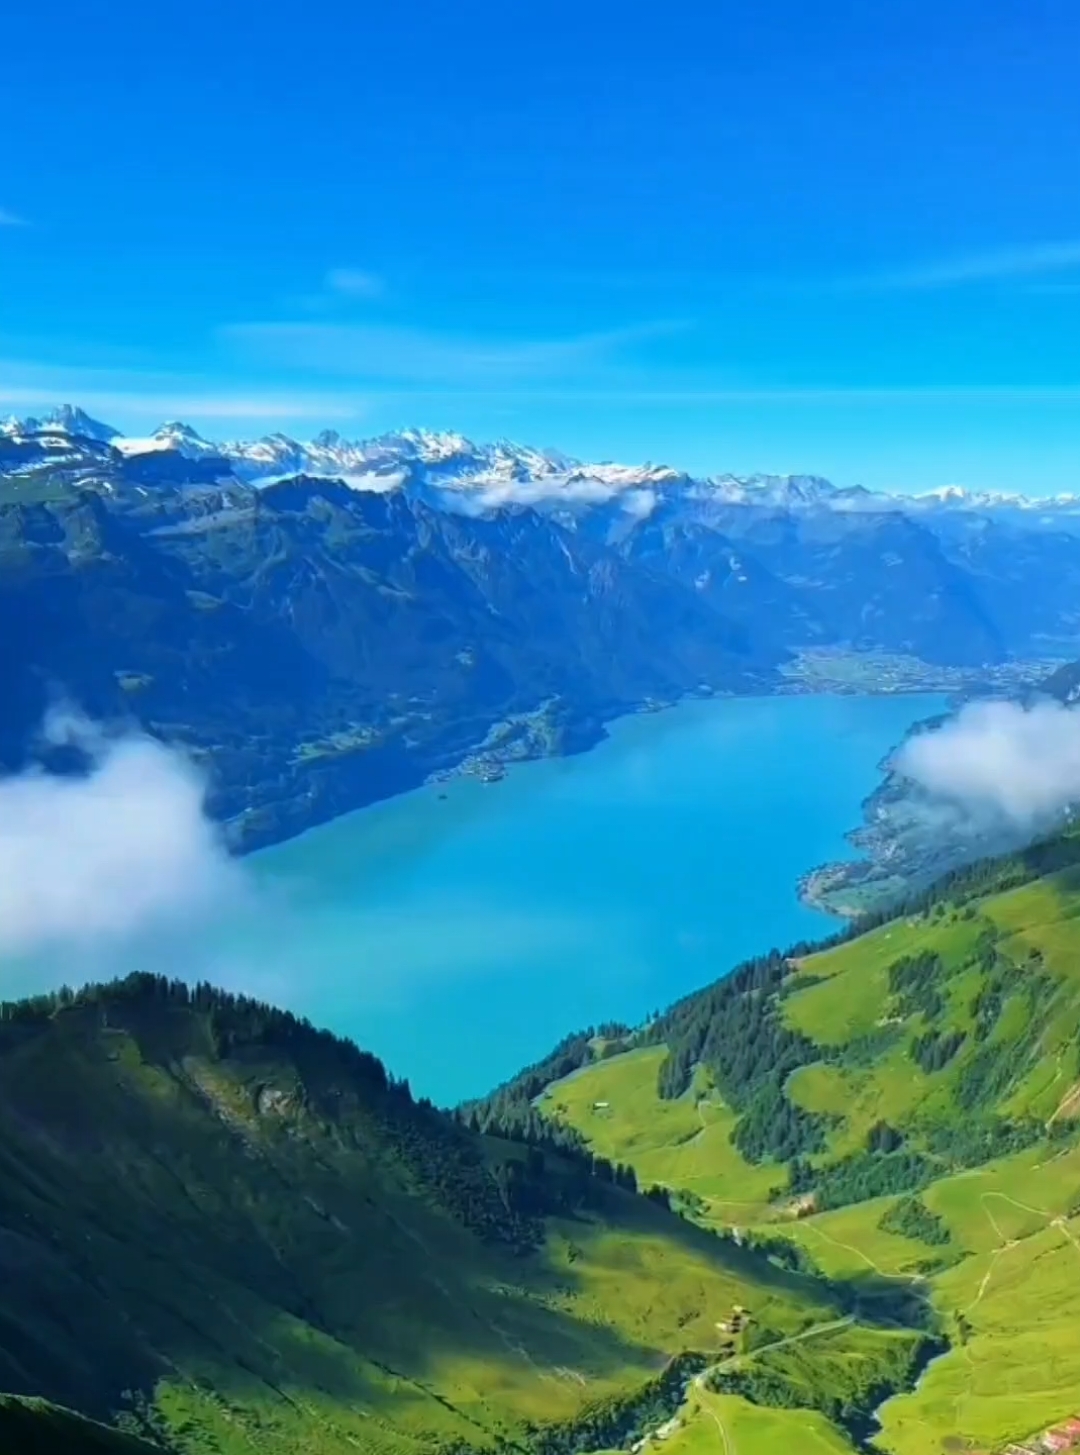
(173, 435)
(452, 471)
(175, 429)
(65, 419)
(958, 497)
(780, 491)
(945, 492)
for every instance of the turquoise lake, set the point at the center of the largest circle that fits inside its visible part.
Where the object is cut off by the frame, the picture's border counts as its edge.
(460, 931)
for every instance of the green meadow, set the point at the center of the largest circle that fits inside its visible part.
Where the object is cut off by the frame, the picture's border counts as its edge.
(968, 1055)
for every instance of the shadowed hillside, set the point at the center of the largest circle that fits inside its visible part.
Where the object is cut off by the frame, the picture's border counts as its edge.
(35, 1427)
(240, 1234)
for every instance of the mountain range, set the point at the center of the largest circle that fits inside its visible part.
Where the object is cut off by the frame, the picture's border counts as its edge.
(470, 476)
(325, 623)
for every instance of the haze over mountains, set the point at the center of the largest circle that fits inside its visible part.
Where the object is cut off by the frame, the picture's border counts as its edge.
(322, 624)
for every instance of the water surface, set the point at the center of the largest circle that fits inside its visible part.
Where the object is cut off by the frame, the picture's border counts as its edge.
(460, 931)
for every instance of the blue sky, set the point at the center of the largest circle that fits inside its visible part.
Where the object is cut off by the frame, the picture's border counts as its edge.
(839, 237)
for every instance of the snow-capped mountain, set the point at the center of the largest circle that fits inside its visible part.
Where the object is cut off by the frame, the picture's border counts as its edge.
(446, 467)
(66, 420)
(452, 471)
(956, 497)
(276, 588)
(171, 436)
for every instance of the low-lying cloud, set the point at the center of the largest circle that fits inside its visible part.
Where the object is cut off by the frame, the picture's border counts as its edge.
(123, 848)
(1001, 760)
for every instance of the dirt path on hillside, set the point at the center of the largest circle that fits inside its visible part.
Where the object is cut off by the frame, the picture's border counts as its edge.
(728, 1443)
(858, 1252)
(1068, 1105)
(700, 1381)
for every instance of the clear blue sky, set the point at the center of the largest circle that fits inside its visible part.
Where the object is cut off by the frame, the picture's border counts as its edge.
(838, 237)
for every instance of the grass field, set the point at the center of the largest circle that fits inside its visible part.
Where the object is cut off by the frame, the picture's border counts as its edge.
(1018, 1369)
(847, 1242)
(1002, 1286)
(720, 1424)
(855, 995)
(305, 1283)
(681, 1144)
(1008, 1302)
(860, 1097)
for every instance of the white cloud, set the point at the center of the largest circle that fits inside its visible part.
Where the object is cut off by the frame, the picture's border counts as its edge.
(355, 283)
(413, 355)
(983, 267)
(999, 760)
(639, 503)
(121, 849)
(34, 387)
(11, 219)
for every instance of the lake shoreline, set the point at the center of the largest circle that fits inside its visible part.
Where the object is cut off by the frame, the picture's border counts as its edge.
(362, 777)
(881, 866)
(896, 849)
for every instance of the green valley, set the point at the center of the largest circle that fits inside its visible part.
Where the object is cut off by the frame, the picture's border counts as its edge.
(832, 1199)
(900, 1109)
(540, 729)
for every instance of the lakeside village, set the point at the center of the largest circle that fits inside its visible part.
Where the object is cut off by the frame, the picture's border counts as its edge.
(1065, 1436)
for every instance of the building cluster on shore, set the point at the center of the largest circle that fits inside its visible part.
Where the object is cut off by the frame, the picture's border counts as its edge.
(1065, 1436)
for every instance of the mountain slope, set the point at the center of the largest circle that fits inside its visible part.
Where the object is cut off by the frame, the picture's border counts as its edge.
(318, 642)
(242, 1234)
(36, 1427)
(904, 1103)
(320, 647)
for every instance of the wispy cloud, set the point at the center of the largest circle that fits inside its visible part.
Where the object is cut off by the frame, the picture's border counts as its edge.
(355, 283)
(11, 219)
(999, 264)
(632, 394)
(388, 353)
(416, 372)
(131, 395)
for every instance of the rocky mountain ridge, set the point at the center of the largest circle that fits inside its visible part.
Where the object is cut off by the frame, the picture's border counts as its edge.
(487, 476)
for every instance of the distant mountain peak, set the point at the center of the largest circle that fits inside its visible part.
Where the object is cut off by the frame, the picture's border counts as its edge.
(67, 419)
(176, 429)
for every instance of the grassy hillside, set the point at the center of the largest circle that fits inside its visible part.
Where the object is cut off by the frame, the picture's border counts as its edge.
(238, 1235)
(231, 1233)
(683, 1143)
(902, 1106)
